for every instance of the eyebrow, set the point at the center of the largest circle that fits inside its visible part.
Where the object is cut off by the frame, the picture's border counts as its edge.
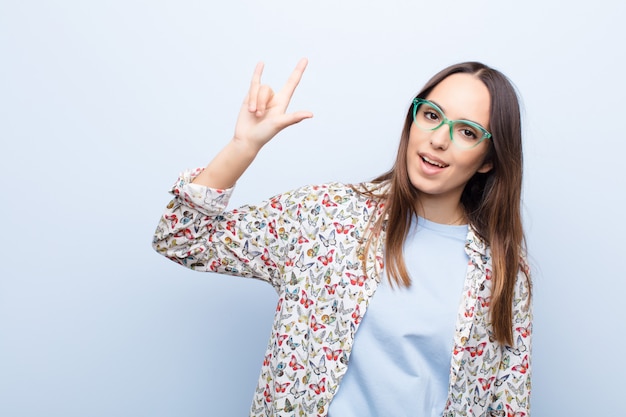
(444, 111)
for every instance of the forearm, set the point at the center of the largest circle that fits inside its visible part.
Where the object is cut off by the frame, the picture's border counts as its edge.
(228, 165)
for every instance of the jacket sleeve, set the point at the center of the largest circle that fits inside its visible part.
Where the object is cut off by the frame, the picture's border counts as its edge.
(197, 232)
(513, 383)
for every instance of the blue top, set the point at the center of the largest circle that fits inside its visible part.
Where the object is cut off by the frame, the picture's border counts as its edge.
(400, 362)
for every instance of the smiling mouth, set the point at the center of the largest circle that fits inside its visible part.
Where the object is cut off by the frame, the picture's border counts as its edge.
(434, 163)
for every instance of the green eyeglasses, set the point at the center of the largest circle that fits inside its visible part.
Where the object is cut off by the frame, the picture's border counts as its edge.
(463, 133)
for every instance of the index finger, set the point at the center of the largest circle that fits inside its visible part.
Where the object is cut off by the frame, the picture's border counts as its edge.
(294, 78)
(254, 87)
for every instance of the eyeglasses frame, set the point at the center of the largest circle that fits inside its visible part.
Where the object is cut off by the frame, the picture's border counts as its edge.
(418, 101)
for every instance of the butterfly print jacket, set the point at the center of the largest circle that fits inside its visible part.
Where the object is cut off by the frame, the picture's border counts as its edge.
(305, 243)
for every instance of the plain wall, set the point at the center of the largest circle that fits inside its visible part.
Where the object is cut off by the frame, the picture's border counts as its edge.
(103, 103)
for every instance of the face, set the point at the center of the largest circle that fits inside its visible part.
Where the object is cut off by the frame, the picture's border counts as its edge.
(437, 167)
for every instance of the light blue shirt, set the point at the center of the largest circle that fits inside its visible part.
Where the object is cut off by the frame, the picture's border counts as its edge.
(400, 363)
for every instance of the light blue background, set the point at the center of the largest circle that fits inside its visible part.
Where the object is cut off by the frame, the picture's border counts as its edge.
(103, 103)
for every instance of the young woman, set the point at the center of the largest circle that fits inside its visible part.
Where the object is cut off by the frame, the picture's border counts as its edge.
(408, 295)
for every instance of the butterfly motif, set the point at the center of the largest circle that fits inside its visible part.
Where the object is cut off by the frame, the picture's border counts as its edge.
(294, 280)
(266, 258)
(522, 367)
(332, 355)
(519, 390)
(319, 339)
(230, 226)
(331, 289)
(319, 387)
(320, 369)
(292, 295)
(292, 344)
(343, 229)
(173, 219)
(328, 319)
(276, 204)
(476, 350)
(280, 338)
(331, 339)
(356, 315)
(482, 401)
(281, 387)
(312, 252)
(302, 239)
(457, 398)
(524, 331)
(303, 316)
(484, 301)
(300, 263)
(315, 279)
(294, 390)
(352, 266)
(294, 364)
(327, 202)
(356, 279)
(330, 240)
(247, 253)
(305, 300)
(315, 325)
(520, 347)
(460, 388)
(498, 412)
(512, 413)
(267, 393)
(280, 369)
(326, 259)
(501, 380)
(316, 210)
(288, 406)
(486, 383)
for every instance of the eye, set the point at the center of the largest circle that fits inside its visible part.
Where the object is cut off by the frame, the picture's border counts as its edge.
(431, 115)
(468, 132)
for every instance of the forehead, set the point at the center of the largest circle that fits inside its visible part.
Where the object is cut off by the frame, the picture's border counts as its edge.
(463, 96)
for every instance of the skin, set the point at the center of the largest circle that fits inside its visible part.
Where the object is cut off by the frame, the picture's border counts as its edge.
(460, 96)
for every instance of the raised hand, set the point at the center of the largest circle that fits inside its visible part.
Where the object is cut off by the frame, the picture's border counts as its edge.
(264, 113)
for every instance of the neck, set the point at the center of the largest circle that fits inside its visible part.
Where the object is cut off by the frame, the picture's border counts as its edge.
(441, 210)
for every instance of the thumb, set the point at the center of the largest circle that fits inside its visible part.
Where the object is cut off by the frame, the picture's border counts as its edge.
(295, 117)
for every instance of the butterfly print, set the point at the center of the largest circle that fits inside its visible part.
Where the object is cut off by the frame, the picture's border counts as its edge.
(294, 364)
(522, 367)
(512, 413)
(330, 240)
(305, 301)
(282, 387)
(476, 350)
(332, 355)
(308, 244)
(315, 325)
(343, 228)
(319, 387)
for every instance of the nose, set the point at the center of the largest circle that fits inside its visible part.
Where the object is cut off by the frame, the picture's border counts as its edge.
(440, 138)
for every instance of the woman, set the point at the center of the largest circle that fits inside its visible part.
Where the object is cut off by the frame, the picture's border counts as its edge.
(438, 239)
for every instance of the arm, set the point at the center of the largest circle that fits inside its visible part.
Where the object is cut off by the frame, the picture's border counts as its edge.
(262, 116)
(195, 229)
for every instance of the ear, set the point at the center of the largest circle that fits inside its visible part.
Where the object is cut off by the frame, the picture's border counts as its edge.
(486, 167)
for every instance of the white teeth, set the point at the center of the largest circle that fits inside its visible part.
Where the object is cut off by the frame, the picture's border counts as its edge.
(433, 162)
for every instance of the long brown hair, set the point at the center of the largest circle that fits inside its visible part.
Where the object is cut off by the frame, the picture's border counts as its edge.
(491, 200)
